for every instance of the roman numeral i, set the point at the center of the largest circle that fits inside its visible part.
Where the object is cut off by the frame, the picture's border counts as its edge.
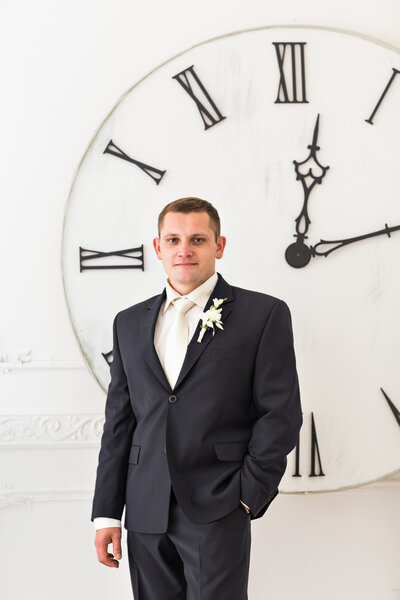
(385, 91)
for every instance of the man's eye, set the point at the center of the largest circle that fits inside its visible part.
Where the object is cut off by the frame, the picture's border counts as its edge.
(197, 239)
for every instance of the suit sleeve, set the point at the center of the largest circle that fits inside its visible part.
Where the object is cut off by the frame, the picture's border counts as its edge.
(276, 397)
(119, 425)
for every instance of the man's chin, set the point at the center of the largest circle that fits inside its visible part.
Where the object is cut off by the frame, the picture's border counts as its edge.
(186, 273)
(185, 276)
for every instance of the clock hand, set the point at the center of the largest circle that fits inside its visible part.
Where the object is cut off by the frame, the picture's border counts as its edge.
(309, 172)
(340, 243)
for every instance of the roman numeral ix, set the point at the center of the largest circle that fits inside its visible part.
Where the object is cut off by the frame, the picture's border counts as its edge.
(134, 256)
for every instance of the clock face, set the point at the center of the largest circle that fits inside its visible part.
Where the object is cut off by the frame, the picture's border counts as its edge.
(293, 134)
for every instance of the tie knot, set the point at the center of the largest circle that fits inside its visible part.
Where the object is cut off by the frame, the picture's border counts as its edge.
(182, 305)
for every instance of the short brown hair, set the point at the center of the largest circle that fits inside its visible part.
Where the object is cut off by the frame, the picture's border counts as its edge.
(192, 204)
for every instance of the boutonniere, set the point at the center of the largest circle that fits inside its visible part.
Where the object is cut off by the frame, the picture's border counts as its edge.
(211, 317)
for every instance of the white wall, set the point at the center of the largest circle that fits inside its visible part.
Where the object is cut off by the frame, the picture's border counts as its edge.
(63, 66)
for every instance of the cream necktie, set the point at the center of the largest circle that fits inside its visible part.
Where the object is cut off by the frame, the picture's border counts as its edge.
(177, 341)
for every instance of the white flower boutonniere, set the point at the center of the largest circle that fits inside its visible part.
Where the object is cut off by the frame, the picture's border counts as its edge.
(211, 317)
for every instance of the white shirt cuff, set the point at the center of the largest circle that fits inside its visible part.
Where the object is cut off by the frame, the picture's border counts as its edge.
(100, 522)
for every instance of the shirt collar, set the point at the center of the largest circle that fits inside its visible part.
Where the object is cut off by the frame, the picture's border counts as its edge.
(199, 295)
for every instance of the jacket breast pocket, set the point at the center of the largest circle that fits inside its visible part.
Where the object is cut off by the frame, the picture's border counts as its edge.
(228, 353)
(231, 450)
(134, 454)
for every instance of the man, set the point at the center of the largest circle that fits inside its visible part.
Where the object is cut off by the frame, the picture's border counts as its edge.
(202, 409)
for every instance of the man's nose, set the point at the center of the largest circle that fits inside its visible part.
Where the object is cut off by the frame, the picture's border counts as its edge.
(185, 249)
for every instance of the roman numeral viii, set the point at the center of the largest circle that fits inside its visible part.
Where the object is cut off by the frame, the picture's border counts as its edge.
(292, 73)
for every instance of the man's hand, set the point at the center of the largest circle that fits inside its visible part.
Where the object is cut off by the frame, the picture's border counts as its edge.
(105, 536)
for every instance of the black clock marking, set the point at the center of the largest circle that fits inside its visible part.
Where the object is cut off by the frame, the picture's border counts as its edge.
(152, 172)
(340, 243)
(86, 255)
(299, 254)
(206, 112)
(314, 454)
(108, 356)
(285, 96)
(315, 451)
(393, 408)
(297, 459)
(395, 72)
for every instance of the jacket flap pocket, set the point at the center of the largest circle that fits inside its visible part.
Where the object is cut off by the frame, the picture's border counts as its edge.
(231, 450)
(134, 454)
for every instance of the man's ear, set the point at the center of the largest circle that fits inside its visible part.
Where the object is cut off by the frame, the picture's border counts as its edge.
(220, 246)
(156, 244)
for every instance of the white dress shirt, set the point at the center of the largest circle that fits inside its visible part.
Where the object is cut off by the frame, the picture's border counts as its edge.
(165, 318)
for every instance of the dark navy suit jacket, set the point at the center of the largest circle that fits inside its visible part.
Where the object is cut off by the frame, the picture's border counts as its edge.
(223, 432)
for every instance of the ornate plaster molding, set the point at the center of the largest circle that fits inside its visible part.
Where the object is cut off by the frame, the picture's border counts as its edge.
(10, 360)
(50, 429)
(13, 361)
(10, 496)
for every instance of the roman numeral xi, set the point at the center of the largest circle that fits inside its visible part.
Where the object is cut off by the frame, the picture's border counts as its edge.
(209, 112)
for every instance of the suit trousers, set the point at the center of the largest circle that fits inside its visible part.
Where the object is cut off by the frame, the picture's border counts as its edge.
(192, 561)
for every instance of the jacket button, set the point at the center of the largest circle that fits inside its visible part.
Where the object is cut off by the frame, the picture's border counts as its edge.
(172, 399)
(165, 449)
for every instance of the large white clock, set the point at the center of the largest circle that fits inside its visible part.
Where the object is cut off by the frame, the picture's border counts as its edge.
(294, 135)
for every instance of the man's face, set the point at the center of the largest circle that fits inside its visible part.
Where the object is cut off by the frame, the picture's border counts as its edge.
(187, 249)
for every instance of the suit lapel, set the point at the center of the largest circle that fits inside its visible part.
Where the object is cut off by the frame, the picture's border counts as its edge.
(148, 327)
(195, 349)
